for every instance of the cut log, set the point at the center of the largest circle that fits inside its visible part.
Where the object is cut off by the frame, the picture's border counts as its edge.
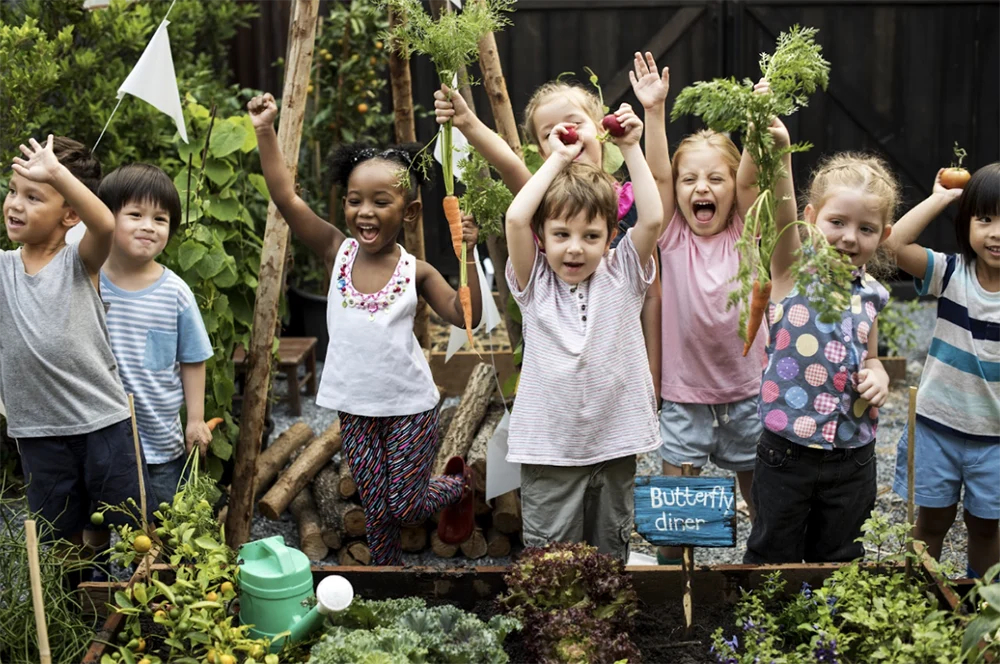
(470, 413)
(507, 513)
(414, 538)
(477, 451)
(355, 554)
(310, 528)
(346, 485)
(445, 417)
(497, 544)
(353, 520)
(329, 504)
(440, 548)
(475, 546)
(300, 473)
(482, 507)
(277, 454)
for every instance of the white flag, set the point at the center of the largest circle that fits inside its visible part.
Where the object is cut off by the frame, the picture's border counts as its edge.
(153, 80)
(490, 317)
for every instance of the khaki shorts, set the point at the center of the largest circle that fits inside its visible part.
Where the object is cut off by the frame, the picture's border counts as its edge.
(593, 504)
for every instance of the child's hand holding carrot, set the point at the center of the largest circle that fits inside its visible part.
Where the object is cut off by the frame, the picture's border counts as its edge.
(470, 234)
(450, 105)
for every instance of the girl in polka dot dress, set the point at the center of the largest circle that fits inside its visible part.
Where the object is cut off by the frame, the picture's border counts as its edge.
(814, 479)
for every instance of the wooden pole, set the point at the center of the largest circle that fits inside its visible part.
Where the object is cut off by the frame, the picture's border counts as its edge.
(911, 443)
(271, 279)
(406, 132)
(37, 598)
(138, 463)
(687, 470)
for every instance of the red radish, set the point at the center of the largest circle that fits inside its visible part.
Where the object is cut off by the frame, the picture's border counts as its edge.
(570, 137)
(610, 122)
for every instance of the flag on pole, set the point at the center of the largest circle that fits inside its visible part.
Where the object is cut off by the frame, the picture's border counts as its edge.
(153, 79)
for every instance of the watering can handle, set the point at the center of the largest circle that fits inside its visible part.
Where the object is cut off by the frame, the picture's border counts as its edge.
(281, 554)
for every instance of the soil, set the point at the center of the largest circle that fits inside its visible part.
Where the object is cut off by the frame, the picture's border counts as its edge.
(658, 632)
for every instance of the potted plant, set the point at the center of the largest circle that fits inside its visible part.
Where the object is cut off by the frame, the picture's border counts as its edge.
(896, 335)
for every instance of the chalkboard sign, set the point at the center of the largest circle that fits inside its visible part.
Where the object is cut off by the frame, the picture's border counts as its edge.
(686, 511)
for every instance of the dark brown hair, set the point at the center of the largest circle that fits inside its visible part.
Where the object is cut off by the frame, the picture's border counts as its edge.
(980, 198)
(78, 160)
(141, 183)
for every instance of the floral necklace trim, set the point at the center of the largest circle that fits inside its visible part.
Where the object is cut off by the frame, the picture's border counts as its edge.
(370, 302)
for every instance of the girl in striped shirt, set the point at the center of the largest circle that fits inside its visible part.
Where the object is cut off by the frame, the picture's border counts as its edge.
(958, 405)
(585, 403)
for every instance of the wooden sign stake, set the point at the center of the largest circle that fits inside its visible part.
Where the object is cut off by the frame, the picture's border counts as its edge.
(687, 564)
(272, 267)
(911, 443)
(34, 571)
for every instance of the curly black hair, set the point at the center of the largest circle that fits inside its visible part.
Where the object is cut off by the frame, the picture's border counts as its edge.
(347, 157)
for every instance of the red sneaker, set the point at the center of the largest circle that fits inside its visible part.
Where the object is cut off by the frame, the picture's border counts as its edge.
(458, 520)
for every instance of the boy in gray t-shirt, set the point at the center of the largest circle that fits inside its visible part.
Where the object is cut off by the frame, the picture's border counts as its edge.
(66, 407)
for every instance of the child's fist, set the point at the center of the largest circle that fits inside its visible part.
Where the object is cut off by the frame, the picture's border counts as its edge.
(449, 105)
(263, 111)
(762, 87)
(470, 233)
(41, 164)
(949, 195)
(197, 433)
(873, 386)
(649, 86)
(558, 147)
(630, 124)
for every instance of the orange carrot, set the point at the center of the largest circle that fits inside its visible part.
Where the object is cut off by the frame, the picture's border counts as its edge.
(465, 297)
(214, 422)
(454, 217)
(758, 303)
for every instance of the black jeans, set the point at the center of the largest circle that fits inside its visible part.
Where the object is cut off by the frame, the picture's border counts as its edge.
(810, 503)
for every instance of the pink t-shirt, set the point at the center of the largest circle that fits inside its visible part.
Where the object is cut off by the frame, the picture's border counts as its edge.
(702, 351)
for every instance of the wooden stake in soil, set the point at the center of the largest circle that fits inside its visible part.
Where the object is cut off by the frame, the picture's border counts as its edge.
(271, 278)
(687, 470)
(911, 443)
(37, 598)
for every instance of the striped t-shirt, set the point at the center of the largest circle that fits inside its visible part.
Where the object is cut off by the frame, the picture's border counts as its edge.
(152, 331)
(585, 393)
(960, 387)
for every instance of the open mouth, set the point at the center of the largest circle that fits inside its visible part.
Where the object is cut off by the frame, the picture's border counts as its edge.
(704, 211)
(994, 250)
(367, 232)
(14, 222)
(572, 265)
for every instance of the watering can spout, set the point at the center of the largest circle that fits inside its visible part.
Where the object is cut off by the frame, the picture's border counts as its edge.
(333, 594)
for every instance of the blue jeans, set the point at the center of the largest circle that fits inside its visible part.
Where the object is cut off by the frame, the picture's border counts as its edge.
(811, 503)
(164, 479)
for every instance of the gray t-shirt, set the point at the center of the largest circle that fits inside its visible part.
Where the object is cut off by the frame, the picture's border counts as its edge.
(58, 376)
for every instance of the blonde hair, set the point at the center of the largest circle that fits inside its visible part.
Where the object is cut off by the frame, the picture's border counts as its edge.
(866, 173)
(710, 139)
(580, 188)
(588, 102)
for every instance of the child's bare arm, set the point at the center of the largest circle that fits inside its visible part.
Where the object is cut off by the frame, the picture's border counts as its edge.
(193, 382)
(449, 105)
(746, 174)
(647, 196)
(520, 240)
(902, 240)
(41, 165)
(651, 88)
(873, 381)
(321, 237)
(444, 299)
(786, 214)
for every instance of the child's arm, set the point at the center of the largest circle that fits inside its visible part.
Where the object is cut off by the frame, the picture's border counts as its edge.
(746, 174)
(444, 299)
(786, 214)
(42, 166)
(520, 240)
(902, 241)
(873, 381)
(651, 90)
(193, 382)
(321, 237)
(647, 197)
(449, 105)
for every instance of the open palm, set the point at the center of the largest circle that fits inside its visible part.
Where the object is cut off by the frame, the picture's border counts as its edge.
(41, 164)
(650, 86)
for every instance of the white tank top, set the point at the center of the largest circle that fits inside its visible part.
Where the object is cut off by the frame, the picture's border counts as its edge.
(374, 364)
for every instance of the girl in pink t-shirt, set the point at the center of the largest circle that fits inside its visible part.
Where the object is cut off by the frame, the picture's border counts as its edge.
(709, 388)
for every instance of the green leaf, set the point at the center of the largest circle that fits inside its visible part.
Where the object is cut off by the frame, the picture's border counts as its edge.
(513, 311)
(227, 137)
(613, 158)
(122, 600)
(258, 182)
(221, 448)
(212, 263)
(224, 209)
(190, 253)
(218, 171)
(227, 276)
(206, 543)
(189, 150)
(250, 142)
(519, 354)
(510, 385)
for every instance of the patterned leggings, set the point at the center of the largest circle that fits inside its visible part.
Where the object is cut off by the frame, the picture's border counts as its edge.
(391, 459)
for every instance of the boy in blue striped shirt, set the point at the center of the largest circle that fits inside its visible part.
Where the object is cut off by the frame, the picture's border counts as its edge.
(157, 334)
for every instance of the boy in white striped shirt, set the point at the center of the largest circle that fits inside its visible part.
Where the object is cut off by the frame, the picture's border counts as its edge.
(157, 334)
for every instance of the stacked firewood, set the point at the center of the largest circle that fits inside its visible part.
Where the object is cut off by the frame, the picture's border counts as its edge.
(323, 497)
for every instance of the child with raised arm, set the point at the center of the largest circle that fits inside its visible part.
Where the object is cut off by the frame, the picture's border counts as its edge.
(958, 404)
(66, 407)
(814, 480)
(585, 404)
(376, 374)
(157, 333)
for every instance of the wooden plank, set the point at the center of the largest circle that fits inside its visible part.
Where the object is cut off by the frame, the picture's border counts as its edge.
(660, 43)
(451, 377)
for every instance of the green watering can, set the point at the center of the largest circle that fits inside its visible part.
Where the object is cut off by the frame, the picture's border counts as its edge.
(275, 582)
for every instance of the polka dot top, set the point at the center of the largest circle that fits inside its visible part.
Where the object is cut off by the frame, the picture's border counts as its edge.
(808, 393)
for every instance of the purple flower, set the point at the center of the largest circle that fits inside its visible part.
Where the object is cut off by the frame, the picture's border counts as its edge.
(807, 590)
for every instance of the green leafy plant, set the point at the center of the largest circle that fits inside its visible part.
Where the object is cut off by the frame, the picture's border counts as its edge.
(896, 329)
(406, 630)
(576, 604)
(862, 613)
(982, 636)
(485, 197)
(794, 71)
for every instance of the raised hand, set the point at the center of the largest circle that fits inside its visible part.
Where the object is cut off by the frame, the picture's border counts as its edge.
(632, 125)
(949, 195)
(263, 111)
(557, 148)
(649, 86)
(41, 164)
(470, 233)
(450, 105)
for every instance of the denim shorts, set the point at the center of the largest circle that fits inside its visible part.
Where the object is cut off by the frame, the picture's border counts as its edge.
(164, 479)
(944, 463)
(69, 476)
(725, 433)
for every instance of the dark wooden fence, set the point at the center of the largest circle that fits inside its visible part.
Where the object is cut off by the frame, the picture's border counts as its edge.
(908, 78)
